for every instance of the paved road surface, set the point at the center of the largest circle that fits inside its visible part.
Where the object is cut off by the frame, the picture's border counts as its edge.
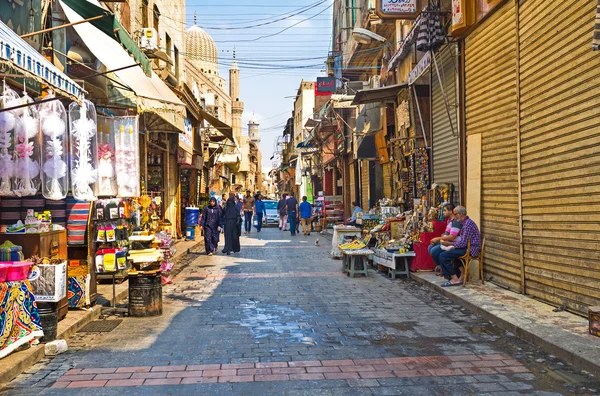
(280, 318)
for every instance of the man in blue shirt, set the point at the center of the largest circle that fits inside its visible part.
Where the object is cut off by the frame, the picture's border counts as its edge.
(305, 214)
(259, 212)
(357, 209)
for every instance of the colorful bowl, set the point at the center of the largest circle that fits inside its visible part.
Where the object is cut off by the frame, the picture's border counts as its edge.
(3, 272)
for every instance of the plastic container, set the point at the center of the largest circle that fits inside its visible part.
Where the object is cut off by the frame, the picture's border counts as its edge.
(49, 319)
(127, 164)
(18, 271)
(26, 181)
(191, 216)
(190, 233)
(3, 272)
(8, 124)
(84, 151)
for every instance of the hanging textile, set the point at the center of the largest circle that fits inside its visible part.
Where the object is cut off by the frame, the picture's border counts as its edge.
(19, 318)
(431, 36)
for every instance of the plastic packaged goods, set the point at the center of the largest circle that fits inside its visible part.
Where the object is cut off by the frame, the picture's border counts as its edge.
(26, 181)
(107, 177)
(54, 155)
(127, 163)
(8, 125)
(84, 150)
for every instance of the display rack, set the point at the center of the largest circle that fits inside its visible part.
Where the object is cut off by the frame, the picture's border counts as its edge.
(334, 211)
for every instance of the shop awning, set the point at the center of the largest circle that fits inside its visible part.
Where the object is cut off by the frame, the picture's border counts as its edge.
(15, 53)
(375, 95)
(161, 108)
(200, 113)
(111, 27)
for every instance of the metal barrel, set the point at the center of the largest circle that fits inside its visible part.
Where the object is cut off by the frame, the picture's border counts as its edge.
(49, 318)
(145, 295)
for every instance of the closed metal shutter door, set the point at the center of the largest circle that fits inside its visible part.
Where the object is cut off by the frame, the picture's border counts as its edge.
(560, 147)
(364, 183)
(445, 142)
(387, 180)
(491, 110)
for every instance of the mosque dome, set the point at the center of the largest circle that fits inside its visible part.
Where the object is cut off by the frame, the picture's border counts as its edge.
(202, 50)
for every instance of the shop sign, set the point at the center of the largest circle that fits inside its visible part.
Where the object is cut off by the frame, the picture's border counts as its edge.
(186, 139)
(458, 14)
(326, 85)
(397, 9)
(421, 67)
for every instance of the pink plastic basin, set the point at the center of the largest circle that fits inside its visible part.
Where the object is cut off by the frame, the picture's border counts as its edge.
(18, 271)
(3, 272)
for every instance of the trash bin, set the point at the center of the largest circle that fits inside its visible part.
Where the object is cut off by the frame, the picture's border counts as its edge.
(145, 295)
(49, 320)
(191, 216)
(190, 233)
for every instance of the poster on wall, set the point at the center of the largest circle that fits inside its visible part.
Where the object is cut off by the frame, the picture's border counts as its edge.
(396, 9)
(186, 139)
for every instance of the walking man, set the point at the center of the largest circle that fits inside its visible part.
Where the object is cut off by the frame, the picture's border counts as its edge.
(282, 210)
(248, 206)
(305, 215)
(292, 212)
(259, 210)
(232, 230)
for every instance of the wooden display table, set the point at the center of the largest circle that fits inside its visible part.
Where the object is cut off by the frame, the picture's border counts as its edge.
(397, 263)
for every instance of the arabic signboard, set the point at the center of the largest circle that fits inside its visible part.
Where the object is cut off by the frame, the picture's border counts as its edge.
(420, 68)
(398, 9)
(325, 86)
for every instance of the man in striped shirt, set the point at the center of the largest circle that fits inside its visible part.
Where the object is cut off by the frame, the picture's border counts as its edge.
(469, 232)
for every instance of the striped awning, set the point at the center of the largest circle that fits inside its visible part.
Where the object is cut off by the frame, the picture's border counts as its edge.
(24, 59)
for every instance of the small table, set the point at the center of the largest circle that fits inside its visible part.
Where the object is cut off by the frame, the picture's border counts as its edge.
(391, 261)
(353, 257)
(339, 233)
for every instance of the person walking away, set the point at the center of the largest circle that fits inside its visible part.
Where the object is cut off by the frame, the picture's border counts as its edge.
(248, 206)
(305, 215)
(282, 210)
(211, 223)
(292, 212)
(232, 227)
(260, 211)
(239, 206)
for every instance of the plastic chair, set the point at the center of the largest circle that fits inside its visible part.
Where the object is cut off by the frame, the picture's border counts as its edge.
(467, 258)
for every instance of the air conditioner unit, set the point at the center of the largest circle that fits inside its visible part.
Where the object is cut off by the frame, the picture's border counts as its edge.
(148, 39)
(374, 81)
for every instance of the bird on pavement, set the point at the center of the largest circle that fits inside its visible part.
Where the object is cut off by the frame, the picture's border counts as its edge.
(316, 242)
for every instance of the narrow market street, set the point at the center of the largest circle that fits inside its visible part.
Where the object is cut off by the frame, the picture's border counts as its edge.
(281, 318)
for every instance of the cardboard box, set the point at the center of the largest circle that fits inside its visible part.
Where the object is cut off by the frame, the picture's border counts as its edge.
(49, 282)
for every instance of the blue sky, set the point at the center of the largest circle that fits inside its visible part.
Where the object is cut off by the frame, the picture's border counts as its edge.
(301, 51)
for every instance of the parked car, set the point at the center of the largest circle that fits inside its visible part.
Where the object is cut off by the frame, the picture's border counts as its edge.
(272, 217)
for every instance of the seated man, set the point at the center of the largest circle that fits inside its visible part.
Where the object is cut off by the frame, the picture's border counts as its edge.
(452, 230)
(356, 210)
(469, 232)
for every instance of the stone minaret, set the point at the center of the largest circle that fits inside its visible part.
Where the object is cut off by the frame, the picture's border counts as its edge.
(253, 131)
(237, 107)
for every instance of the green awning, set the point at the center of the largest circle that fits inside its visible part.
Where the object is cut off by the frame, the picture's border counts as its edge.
(112, 28)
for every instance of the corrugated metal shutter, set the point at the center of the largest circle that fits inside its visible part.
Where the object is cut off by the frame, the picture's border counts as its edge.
(387, 180)
(560, 147)
(364, 183)
(445, 142)
(491, 110)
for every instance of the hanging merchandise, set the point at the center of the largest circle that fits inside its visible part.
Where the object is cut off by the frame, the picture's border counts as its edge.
(127, 157)
(107, 178)
(8, 124)
(26, 180)
(84, 150)
(55, 179)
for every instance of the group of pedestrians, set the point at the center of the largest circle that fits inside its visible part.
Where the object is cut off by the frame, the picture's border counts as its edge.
(227, 218)
(295, 214)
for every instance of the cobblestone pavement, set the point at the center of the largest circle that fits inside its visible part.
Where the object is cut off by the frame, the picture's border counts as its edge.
(280, 318)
